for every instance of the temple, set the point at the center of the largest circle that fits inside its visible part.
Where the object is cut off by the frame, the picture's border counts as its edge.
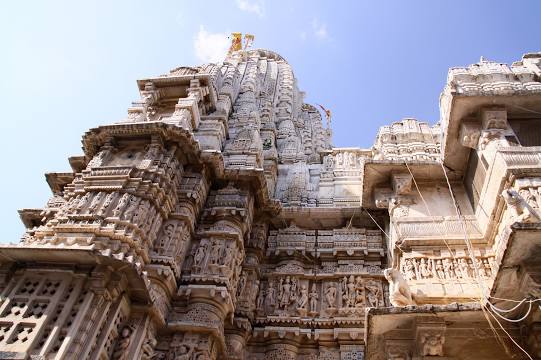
(217, 221)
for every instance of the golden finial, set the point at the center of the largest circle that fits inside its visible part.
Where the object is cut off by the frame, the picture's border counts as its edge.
(236, 42)
(248, 40)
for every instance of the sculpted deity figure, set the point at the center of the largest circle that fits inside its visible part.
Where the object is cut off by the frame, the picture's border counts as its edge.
(372, 293)
(529, 198)
(293, 291)
(184, 352)
(432, 344)
(81, 204)
(302, 303)
(285, 293)
(424, 269)
(339, 160)
(260, 298)
(228, 255)
(130, 210)
(448, 269)
(199, 255)
(141, 212)
(350, 300)
(314, 297)
(517, 207)
(108, 200)
(215, 251)
(242, 284)
(167, 235)
(471, 268)
(359, 292)
(409, 270)
(455, 269)
(464, 268)
(439, 269)
(481, 268)
(399, 292)
(95, 203)
(124, 200)
(71, 206)
(270, 297)
(330, 295)
(121, 349)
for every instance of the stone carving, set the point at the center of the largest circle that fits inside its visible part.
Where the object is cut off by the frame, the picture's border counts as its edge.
(330, 295)
(425, 268)
(314, 299)
(520, 210)
(218, 222)
(432, 344)
(399, 292)
(121, 349)
(373, 293)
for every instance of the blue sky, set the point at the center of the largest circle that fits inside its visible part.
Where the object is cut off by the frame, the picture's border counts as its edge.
(68, 66)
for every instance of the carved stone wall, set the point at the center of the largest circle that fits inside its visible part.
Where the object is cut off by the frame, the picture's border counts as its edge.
(216, 221)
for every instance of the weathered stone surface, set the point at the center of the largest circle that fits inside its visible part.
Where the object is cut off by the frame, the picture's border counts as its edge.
(218, 222)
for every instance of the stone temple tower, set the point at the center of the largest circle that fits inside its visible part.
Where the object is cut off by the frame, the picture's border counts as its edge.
(216, 221)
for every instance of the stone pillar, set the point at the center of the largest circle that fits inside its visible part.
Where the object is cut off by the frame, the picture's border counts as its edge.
(215, 280)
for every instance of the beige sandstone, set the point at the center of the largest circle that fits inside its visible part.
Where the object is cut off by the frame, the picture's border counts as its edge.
(217, 221)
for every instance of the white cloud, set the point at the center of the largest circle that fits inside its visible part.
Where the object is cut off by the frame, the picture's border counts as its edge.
(210, 47)
(254, 6)
(320, 29)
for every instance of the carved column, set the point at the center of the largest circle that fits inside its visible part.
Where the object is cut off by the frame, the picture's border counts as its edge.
(215, 280)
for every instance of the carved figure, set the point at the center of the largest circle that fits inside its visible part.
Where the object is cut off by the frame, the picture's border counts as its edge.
(260, 298)
(168, 232)
(95, 203)
(108, 200)
(285, 293)
(330, 295)
(529, 198)
(270, 297)
(82, 202)
(302, 303)
(424, 269)
(399, 292)
(124, 200)
(215, 251)
(228, 256)
(409, 270)
(481, 268)
(432, 344)
(518, 208)
(184, 352)
(121, 349)
(293, 291)
(373, 293)
(464, 268)
(359, 292)
(314, 297)
(440, 269)
(448, 269)
(242, 284)
(199, 255)
(130, 209)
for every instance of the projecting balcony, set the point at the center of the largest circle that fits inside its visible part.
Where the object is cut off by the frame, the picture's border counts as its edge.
(430, 230)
